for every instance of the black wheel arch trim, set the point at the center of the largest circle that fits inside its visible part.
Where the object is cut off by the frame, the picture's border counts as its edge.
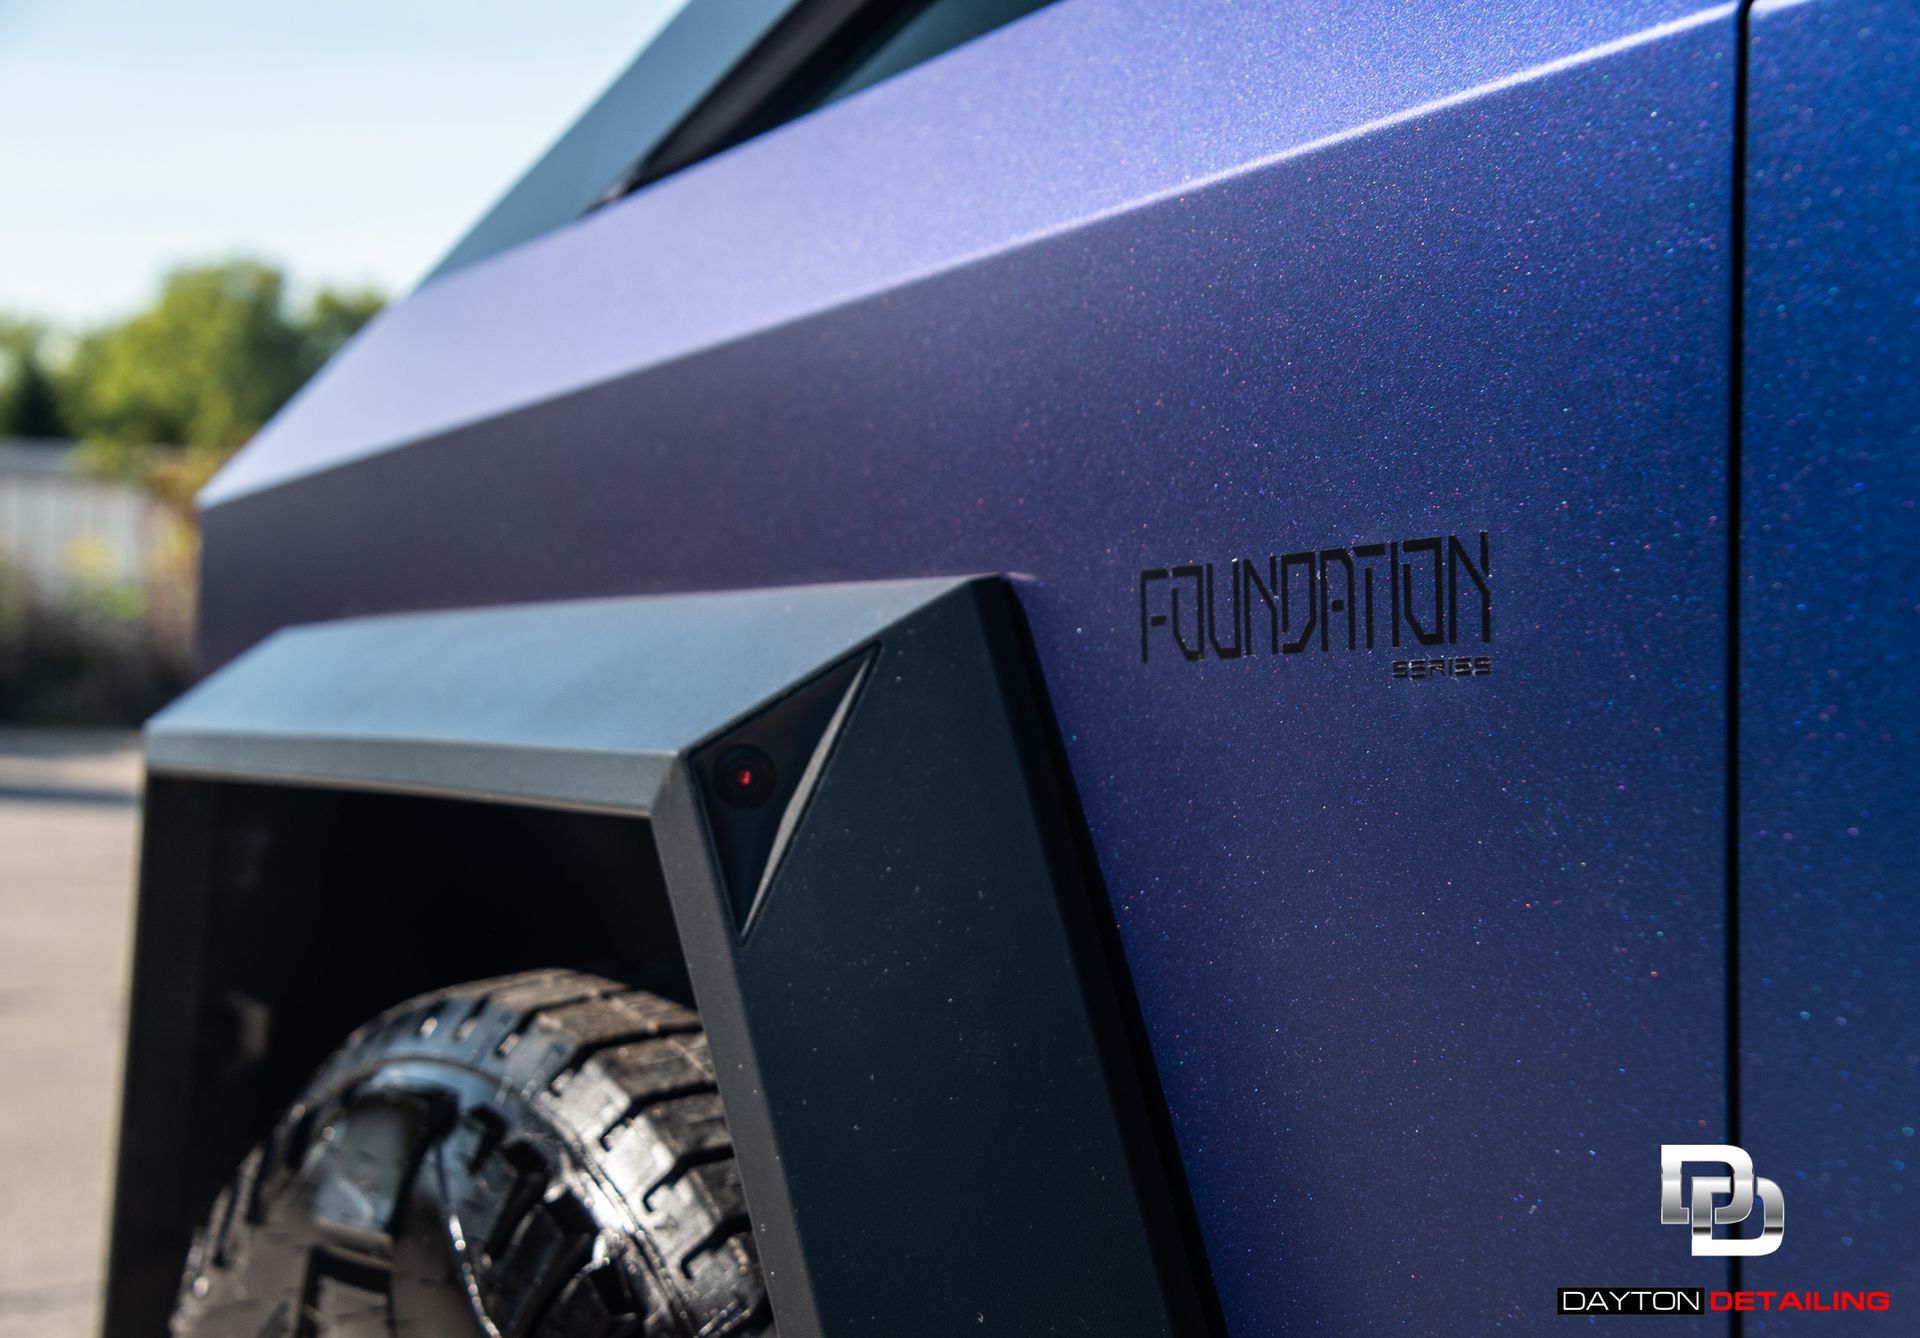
(979, 1143)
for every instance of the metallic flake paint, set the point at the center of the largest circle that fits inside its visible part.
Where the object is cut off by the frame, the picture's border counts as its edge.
(1429, 970)
(1830, 741)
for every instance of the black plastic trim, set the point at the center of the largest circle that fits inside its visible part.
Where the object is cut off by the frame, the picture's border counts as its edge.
(671, 76)
(939, 1106)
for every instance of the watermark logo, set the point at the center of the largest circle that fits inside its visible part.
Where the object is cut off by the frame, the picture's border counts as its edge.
(1740, 1187)
(1717, 1200)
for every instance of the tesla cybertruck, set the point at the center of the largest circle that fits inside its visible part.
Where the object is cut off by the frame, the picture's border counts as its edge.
(1121, 667)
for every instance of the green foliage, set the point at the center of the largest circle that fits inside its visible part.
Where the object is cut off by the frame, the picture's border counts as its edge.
(201, 370)
(87, 660)
(29, 401)
(161, 400)
(202, 367)
(335, 317)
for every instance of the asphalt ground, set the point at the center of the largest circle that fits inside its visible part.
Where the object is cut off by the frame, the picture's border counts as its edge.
(69, 823)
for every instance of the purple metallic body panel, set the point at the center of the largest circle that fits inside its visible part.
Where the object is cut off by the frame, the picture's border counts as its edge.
(1081, 110)
(1429, 969)
(1830, 745)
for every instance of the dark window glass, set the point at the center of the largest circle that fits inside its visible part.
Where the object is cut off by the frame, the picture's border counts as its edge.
(824, 50)
(933, 29)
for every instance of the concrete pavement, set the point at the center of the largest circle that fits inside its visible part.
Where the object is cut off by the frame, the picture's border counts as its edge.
(68, 829)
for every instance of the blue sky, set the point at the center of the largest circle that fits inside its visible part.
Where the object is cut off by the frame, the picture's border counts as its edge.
(351, 141)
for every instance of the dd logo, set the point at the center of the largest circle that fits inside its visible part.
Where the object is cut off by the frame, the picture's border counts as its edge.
(1738, 1189)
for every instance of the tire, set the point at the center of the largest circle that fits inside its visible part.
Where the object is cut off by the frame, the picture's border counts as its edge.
(539, 1156)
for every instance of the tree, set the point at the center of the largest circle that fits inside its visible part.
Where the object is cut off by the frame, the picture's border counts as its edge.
(29, 403)
(335, 317)
(202, 369)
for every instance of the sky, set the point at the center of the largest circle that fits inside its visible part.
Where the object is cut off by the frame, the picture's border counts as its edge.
(350, 141)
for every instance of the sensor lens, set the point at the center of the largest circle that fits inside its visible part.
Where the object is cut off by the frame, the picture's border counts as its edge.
(744, 776)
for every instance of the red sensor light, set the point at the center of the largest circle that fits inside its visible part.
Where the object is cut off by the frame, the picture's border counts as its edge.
(744, 776)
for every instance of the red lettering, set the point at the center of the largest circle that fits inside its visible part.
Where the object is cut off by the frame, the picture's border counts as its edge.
(1799, 1301)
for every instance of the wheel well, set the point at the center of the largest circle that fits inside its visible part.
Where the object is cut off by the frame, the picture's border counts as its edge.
(286, 916)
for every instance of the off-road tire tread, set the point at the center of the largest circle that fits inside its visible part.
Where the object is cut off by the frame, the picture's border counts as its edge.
(569, 1127)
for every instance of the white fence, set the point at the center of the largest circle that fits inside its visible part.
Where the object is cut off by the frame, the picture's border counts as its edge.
(63, 530)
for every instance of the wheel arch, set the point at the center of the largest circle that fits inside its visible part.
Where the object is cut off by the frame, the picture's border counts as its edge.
(916, 892)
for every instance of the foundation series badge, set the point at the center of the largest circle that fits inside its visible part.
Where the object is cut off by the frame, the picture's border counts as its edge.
(1422, 595)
